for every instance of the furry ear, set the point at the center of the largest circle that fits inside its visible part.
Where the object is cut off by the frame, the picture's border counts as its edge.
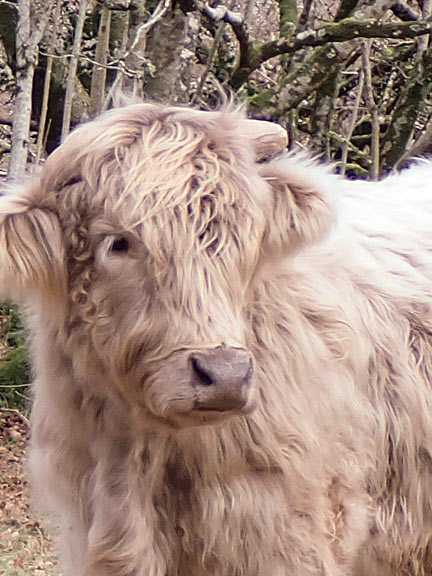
(31, 250)
(268, 138)
(300, 208)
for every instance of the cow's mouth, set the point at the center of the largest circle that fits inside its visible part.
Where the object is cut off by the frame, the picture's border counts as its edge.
(246, 406)
(223, 399)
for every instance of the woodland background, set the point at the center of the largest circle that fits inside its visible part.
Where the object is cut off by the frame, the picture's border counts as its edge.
(350, 80)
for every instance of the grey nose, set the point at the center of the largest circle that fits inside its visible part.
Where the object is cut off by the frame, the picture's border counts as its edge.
(222, 378)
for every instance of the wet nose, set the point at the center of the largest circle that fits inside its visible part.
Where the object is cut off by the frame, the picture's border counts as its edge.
(222, 378)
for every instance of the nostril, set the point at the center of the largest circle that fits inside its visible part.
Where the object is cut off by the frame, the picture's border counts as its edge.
(199, 370)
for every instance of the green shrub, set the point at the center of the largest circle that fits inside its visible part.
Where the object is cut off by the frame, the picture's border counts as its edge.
(14, 361)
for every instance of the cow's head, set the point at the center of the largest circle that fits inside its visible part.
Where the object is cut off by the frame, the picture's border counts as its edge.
(149, 227)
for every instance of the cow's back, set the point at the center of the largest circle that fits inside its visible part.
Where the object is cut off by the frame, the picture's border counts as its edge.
(368, 291)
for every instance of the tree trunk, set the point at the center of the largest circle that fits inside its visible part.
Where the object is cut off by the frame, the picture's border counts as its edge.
(97, 91)
(172, 51)
(26, 56)
(73, 63)
(29, 33)
(411, 101)
(47, 83)
(21, 122)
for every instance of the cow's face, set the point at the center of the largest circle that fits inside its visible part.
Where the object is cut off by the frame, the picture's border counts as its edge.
(163, 233)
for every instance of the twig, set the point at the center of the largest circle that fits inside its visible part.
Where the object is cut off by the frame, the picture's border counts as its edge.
(40, 25)
(346, 8)
(423, 41)
(118, 81)
(73, 62)
(9, 4)
(234, 19)
(354, 116)
(159, 12)
(420, 146)
(14, 386)
(388, 90)
(335, 32)
(354, 149)
(117, 64)
(347, 30)
(15, 411)
(98, 81)
(304, 16)
(205, 74)
(47, 85)
(371, 104)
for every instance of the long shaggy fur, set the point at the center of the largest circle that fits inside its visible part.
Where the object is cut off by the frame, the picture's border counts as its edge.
(327, 282)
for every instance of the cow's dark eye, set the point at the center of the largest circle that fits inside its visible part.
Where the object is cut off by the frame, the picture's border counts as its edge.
(120, 244)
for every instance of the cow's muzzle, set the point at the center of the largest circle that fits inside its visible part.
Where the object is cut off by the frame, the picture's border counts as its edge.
(221, 378)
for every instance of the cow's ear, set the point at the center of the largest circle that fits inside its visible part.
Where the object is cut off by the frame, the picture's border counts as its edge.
(31, 251)
(300, 208)
(267, 138)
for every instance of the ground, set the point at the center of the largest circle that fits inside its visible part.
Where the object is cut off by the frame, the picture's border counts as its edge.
(26, 543)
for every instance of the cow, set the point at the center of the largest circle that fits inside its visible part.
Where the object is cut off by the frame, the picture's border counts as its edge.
(232, 351)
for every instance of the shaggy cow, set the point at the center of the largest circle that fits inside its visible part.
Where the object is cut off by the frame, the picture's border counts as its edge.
(233, 359)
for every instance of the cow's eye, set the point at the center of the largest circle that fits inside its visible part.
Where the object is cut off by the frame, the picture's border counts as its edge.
(120, 244)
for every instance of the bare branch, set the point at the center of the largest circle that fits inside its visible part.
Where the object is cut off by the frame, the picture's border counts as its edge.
(118, 82)
(347, 30)
(73, 62)
(353, 120)
(335, 32)
(97, 88)
(205, 74)
(403, 11)
(120, 5)
(29, 33)
(421, 146)
(371, 104)
(423, 41)
(12, 4)
(345, 9)
(304, 16)
(405, 111)
(159, 12)
(117, 64)
(357, 152)
(47, 84)
(236, 21)
(40, 24)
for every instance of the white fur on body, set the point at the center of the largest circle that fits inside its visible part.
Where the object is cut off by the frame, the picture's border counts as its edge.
(331, 474)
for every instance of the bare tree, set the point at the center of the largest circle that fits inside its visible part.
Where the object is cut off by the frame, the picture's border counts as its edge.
(300, 62)
(47, 82)
(30, 29)
(97, 90)
(73, 63)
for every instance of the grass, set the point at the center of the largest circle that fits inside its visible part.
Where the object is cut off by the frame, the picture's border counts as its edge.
(14, 362)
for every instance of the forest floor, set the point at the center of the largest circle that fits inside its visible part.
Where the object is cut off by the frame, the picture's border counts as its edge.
(26, 545)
